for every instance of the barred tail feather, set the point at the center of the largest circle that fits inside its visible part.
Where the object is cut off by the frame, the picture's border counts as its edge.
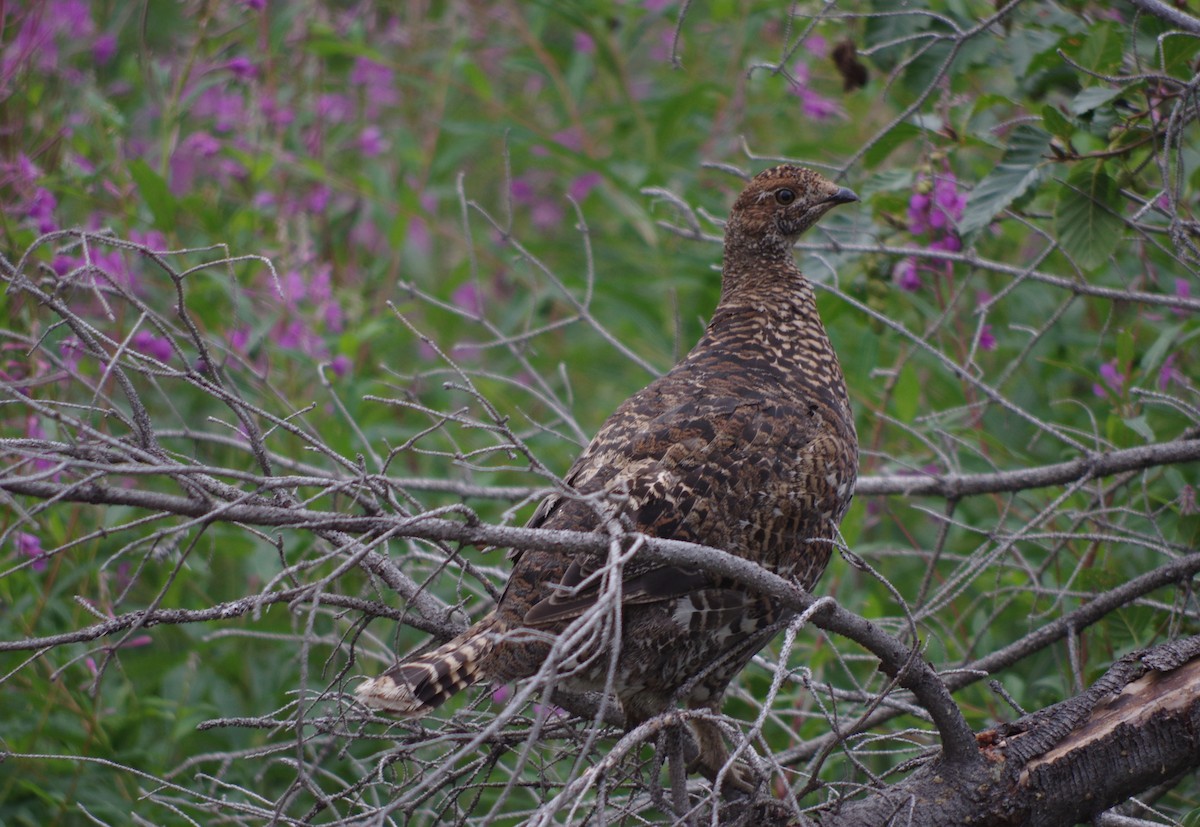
(416, 687)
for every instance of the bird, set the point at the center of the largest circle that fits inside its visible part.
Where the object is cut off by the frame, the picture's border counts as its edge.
(747, 445)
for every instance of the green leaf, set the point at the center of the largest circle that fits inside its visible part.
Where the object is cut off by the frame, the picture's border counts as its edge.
(1125, 344)
(899, 134)
(1057, 122)
(1019, 170)
(1087, 218)
(154, 191)
(1158, 351)
(1103, 49)
(906, 396)
(1092, 98)
(1141, 427)
(1179, 52)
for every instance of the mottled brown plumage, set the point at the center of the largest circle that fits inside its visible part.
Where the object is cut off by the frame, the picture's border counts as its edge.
(747, 445)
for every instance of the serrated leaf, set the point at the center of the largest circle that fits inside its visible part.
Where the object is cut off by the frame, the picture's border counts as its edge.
(153, 189)
(1057, 122)
(1087, 218)
(1104, 48)
(1019, 170)
(1092, 98)
(1141, 427)
(894, 137)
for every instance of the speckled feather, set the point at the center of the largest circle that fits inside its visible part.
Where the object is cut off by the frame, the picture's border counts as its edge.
(747, 445)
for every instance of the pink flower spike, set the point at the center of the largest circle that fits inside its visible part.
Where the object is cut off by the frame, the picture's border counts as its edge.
(28, 545)
(1112, 376)
(104, 48)
(584, 184)
(584, 44)
(906, 275)
(466, 297)
(986, 340)
(242, 68)
(372, 142)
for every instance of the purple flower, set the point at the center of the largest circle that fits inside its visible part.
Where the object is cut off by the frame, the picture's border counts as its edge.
(317, 200)
(255, 5)
(227, 109)
(949, 202)
(242, 68)
(986, 340)
(584, 184)
(948, 243)
(320, 287)
(1168, 373)
(21, 173)
(522, 190)
(584, 44)
(1113, 377)
(276, 113)
(294, 286)
(546, 214)
(378, 82)
(466, 297)
(918, 211)
(71, 350)
(41, 210)
(190, 160)
(418, 236)
(28, 545)
(906, 276)
(817, 46)
(340, 365)
(153, 346)
(334, 108)
(151, 239)
(813, 105)
(112, 265)
(1183, 289)
(239, 339)
(371, 141)
(817, 107)
(103, 49)
(1109, 373)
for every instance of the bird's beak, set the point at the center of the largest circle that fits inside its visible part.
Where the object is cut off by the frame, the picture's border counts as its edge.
(844, 195)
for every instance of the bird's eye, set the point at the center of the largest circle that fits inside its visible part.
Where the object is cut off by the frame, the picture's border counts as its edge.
(785, 196)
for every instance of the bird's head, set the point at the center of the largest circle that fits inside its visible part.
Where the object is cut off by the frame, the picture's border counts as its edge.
(779, 204)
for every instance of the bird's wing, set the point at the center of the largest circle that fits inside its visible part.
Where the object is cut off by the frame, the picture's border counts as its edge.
(677, 473)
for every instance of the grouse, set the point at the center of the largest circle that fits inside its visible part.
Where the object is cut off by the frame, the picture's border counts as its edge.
(747, 445)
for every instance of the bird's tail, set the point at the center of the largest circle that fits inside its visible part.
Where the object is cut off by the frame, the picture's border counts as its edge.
(417, 686)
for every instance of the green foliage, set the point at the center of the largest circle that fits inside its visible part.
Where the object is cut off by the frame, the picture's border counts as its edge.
(1020, 170)
(1087, 216)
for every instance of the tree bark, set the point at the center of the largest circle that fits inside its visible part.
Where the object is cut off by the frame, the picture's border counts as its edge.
(1135, 727)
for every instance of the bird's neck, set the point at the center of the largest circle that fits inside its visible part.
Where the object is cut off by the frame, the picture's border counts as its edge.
(768, 283)
(769, 307)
